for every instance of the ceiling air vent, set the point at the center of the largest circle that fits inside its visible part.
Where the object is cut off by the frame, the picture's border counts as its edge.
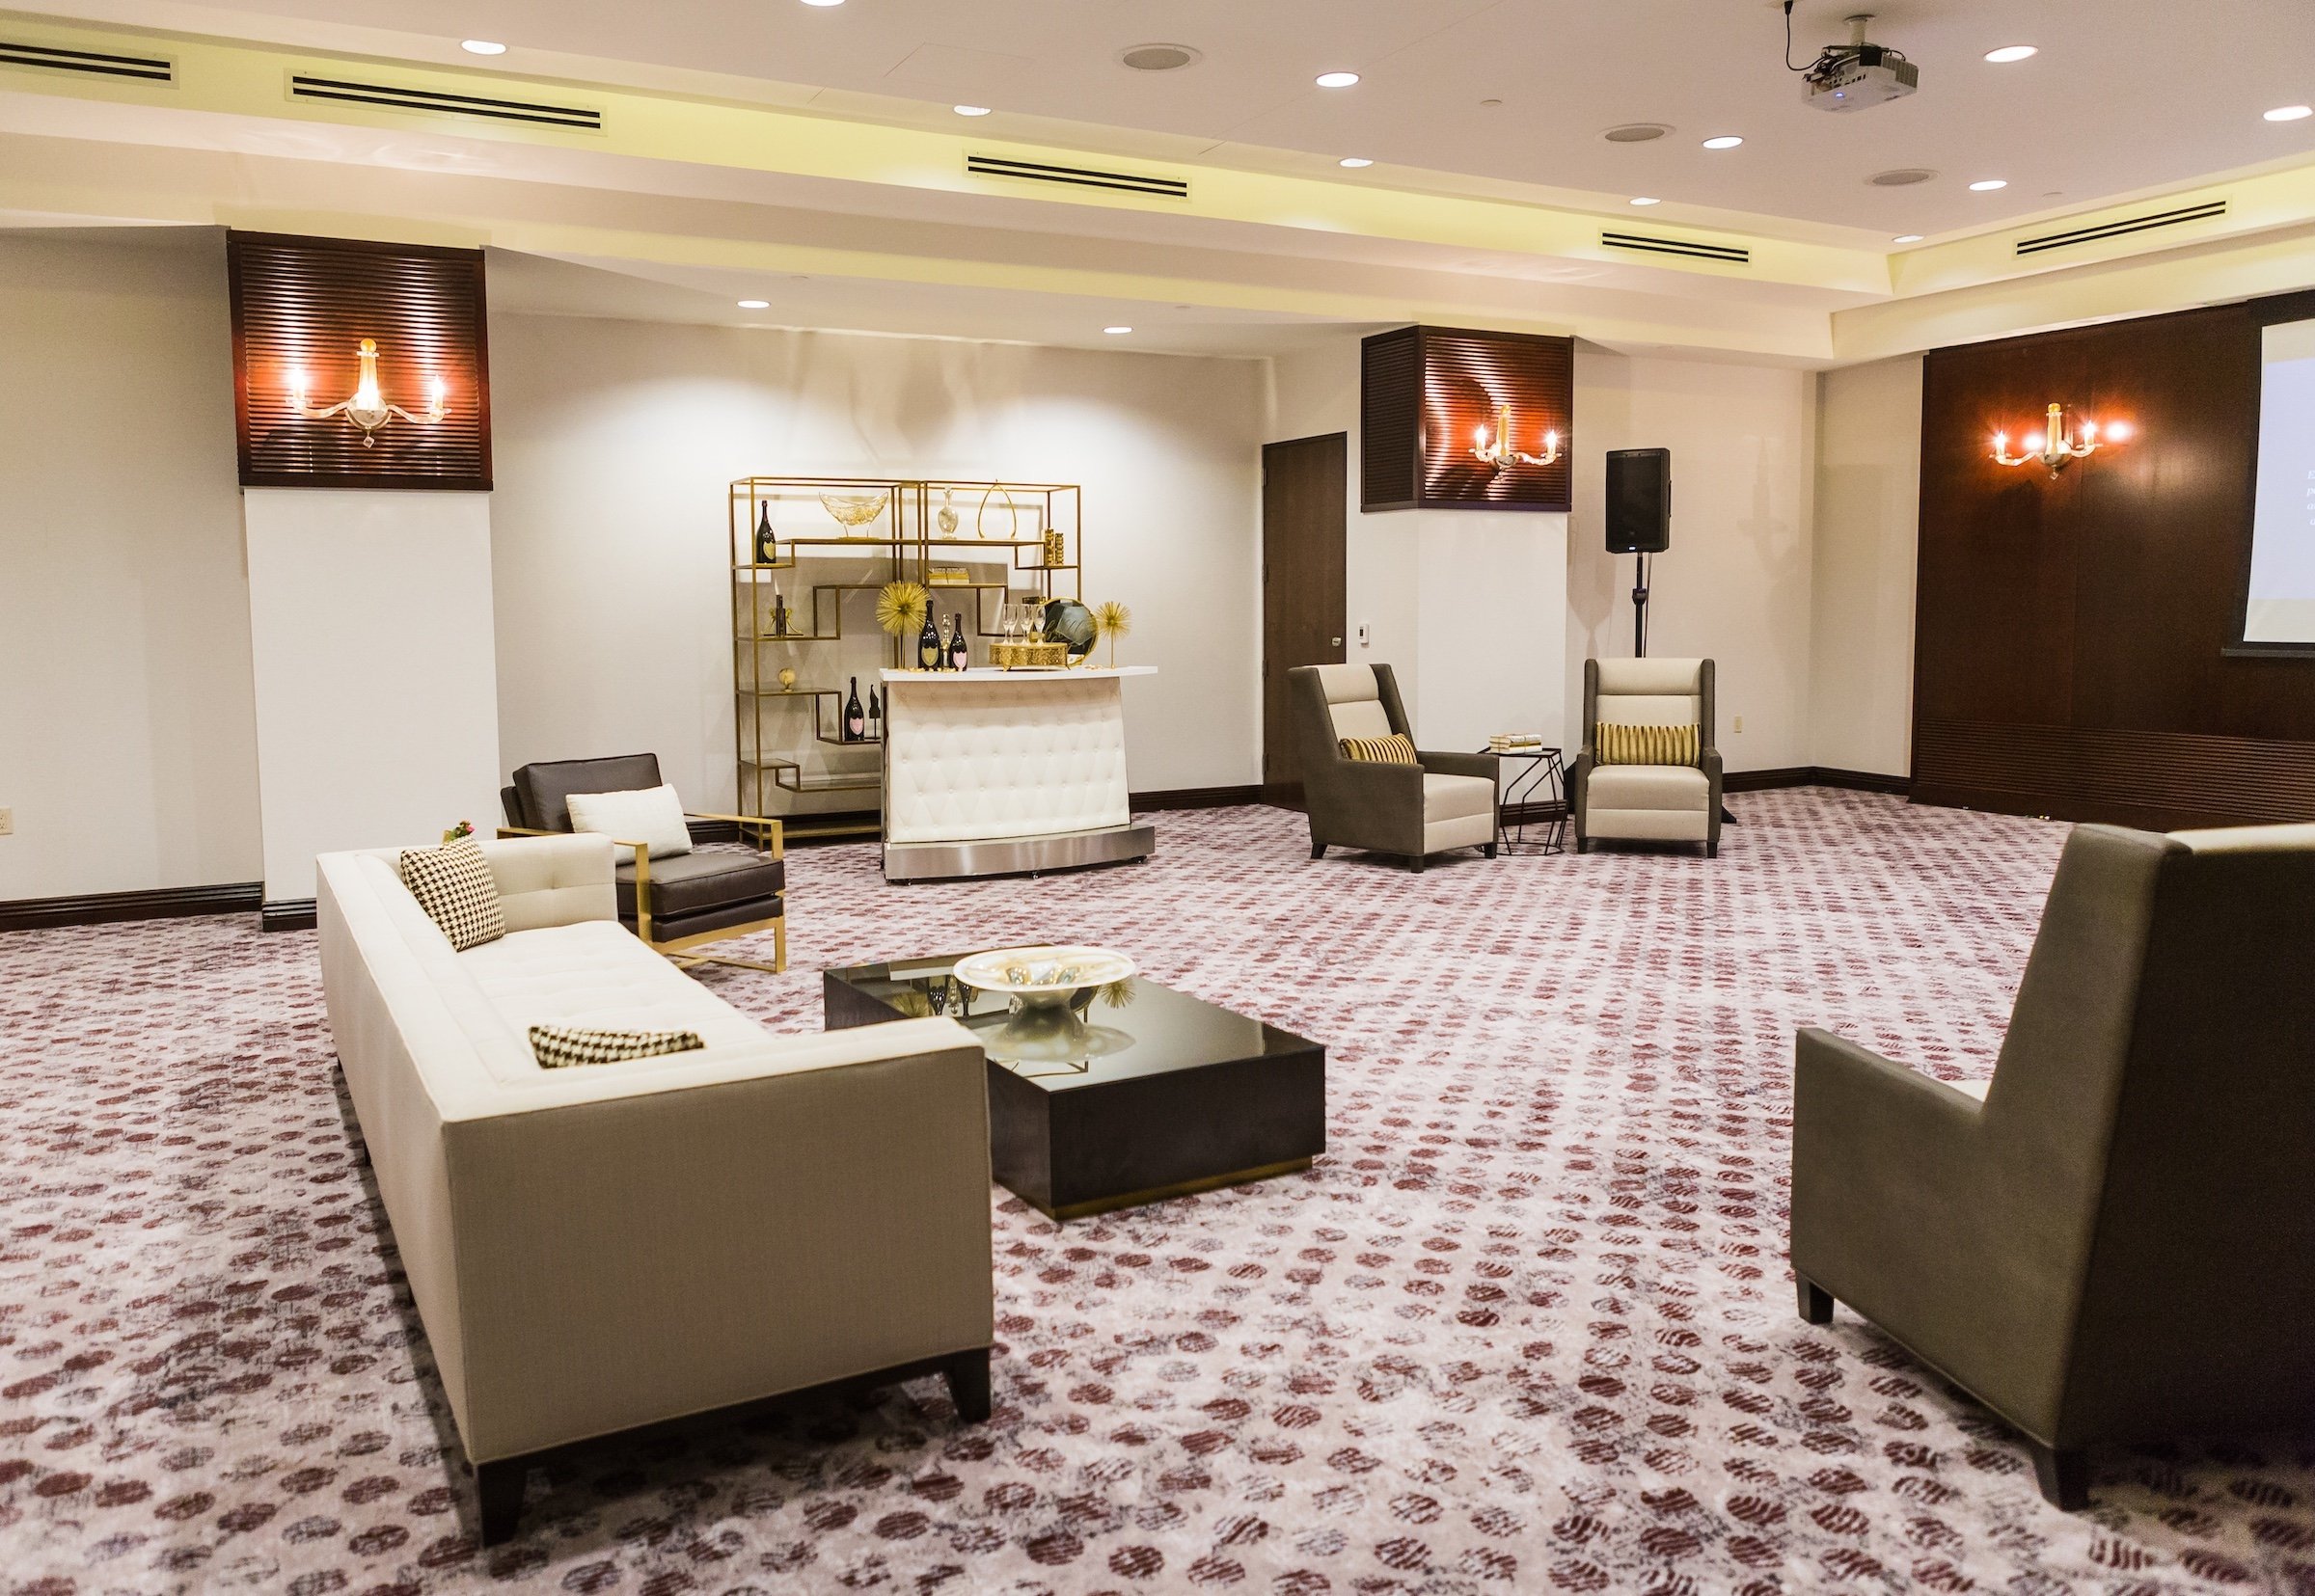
(1729, 252)
(1078, 176)
(88, 63)
(393, 98)
(2126, 225)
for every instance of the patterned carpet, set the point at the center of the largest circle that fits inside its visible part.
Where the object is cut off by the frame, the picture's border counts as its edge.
(1528, 1326)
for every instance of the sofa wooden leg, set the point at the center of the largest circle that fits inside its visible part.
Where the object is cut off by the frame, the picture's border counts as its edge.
(1712, 850)
(1488, 848)
(499, 1495)
(968, 1376)
(2063, 1473)
(1415, 864)
(1317, 849)
(1816, 1303)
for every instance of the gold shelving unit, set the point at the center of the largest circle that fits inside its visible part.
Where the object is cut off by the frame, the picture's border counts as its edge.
(776, 728)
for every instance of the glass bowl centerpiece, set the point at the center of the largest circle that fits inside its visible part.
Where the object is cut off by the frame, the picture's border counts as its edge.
(854, 510)
(1044, 985)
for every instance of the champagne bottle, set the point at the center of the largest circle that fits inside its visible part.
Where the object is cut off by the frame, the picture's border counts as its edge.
(876, 713)
(959, 648)
(855, 719)
(929, 654)
(780, 614)
(766, 546)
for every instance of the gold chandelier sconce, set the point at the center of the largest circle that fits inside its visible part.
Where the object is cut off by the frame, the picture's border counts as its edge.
(2054, 448)
(1493, 448)
(368, 409)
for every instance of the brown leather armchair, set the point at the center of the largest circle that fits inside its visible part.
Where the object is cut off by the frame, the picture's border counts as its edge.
(1448, 800)
(674, 904)
(2114, 1239)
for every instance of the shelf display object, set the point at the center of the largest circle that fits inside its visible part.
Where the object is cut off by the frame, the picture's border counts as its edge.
(819, 564)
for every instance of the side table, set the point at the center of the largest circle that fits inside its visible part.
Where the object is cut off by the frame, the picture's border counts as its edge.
(1540, 774)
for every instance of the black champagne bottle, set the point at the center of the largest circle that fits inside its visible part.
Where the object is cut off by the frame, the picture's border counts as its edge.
(960, 650)
(876, 713)
(929, 653)
(766, 546)
(855, 719)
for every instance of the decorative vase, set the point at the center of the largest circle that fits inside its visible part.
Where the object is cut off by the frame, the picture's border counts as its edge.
(788, 678)
(949, 512)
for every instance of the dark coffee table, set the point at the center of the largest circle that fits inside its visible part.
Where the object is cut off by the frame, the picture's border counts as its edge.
(1155, 1094)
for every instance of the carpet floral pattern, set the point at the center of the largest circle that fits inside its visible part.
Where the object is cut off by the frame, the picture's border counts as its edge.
(1526, 1326)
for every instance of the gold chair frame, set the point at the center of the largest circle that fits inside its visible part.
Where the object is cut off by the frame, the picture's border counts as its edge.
(769, 836)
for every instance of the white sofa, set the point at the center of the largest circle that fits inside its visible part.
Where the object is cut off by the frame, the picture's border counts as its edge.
(597, 1247)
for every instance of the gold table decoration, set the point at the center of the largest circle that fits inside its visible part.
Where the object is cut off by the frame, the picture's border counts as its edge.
(1018, 656)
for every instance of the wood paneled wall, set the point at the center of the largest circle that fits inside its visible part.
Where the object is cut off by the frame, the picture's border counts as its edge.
(2071, 633)
(1424, 394)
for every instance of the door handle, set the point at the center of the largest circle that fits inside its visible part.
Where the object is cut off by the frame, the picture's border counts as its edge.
(1336, 642)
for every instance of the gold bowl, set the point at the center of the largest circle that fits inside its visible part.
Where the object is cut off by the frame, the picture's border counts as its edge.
(855, 510)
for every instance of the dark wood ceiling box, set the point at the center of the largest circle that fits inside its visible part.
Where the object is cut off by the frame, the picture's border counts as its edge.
(302, 309)
(2073, 639)
(1432, 399)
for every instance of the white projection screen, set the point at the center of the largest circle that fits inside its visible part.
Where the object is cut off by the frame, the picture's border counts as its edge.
(2280, 606)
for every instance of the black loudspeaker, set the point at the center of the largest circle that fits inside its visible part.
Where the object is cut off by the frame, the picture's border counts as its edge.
(1639, 501)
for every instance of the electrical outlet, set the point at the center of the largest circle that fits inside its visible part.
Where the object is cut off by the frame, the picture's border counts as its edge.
(1740, 726)
(7, 823)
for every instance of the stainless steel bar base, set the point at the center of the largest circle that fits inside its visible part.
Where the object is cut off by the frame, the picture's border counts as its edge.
(933, 861)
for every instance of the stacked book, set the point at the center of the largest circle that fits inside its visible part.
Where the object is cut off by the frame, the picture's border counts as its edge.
(1515, 742)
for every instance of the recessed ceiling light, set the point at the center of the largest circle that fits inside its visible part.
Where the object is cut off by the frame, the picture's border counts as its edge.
(756, 305)
(1986, 185)
(1908, 238)
(2009, 52)
(1337, 80)
(1726, 141)
(970, 110)
(1354, 161)
(1117, 332)
(1644, 200)
(823, 2)
(481, 46)
(1490, 105)
(2291, 113)
(1635, 132)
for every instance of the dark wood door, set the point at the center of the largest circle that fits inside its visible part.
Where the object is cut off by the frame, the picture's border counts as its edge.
(1304, 499)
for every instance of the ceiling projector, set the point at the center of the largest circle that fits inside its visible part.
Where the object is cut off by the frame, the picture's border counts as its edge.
(1856, 75)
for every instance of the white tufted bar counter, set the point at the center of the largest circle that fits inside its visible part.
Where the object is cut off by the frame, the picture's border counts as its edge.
(993, 772)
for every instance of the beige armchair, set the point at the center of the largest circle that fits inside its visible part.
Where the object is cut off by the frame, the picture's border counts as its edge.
(2115, 1240)
(1447, 800)
(1648, 802)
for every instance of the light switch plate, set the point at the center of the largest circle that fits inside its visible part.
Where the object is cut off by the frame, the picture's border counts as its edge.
(7, 823)
(1740, 726)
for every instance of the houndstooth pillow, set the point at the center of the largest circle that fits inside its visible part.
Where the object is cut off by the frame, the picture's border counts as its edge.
(560, 1045)
(454, 884)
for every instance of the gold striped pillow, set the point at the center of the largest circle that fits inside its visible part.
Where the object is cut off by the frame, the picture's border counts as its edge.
(1645, 744)
(1394, 749)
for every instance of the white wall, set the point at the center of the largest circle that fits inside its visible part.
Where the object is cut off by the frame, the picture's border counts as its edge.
(1868, 479)
(127, 742)
(614, 444)
(375, 683)
(1467, 607)
(1735, 585)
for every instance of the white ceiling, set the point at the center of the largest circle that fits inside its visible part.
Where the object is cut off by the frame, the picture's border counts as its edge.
(2124, 96)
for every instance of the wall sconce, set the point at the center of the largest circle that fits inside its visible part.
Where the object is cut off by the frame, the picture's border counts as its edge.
(368, 409)
(2053, 448)
(1496, 451)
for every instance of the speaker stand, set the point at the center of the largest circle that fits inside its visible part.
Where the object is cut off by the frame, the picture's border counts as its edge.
(1640, 609)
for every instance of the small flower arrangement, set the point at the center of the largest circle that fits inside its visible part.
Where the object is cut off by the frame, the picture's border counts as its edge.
(463, 829)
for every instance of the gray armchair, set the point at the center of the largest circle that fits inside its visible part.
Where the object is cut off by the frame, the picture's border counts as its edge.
(2114, 1241)
(1446, 801)
(676, 905)
(1648, 802)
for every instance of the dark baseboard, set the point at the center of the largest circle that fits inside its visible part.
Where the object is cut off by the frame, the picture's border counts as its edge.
(287, 914)
(1814, 776)
(102, 908)
(1196, 797)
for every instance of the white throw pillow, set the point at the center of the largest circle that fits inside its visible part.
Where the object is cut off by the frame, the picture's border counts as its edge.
(651, 815)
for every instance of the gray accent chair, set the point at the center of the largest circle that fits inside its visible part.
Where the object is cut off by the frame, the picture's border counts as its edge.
(2115, 1240)
(676, 905)
(1447, 802)
(1648, 802)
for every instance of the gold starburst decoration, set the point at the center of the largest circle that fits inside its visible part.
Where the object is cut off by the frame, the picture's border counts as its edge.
(1112, 620)
(900, 608)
